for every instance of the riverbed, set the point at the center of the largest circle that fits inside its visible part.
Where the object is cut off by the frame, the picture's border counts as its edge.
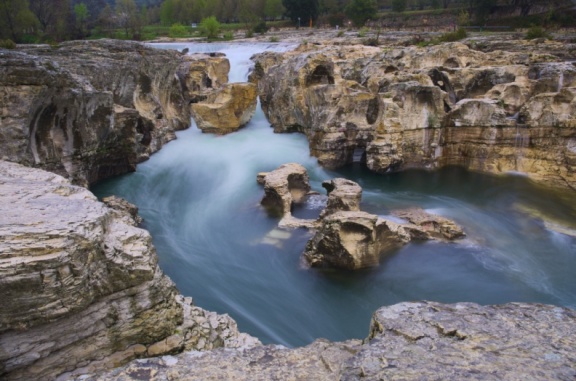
(200, 201)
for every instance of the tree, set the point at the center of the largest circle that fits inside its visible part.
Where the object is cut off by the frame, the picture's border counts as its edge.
(210, 26)
(445, 3)
(399, 5)
(359, 11)
(301, 10)
(128, 17)
(81, 15)
(16, 19)
(274, 9)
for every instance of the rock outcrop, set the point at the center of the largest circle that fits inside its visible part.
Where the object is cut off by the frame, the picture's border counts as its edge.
(408, 341)
(227, 109)
(89, 110)
(353, 240)
(345, 237)
(412, 107)
(287, 185)
(80, 284)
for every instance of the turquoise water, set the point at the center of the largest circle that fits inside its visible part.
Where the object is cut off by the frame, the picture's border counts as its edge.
(200, 200)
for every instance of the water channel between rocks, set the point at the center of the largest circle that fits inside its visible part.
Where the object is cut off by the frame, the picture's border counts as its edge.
(200, 201)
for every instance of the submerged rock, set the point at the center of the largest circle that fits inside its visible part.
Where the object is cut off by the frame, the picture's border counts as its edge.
(408, 341)
(428, 226)
(81, 287)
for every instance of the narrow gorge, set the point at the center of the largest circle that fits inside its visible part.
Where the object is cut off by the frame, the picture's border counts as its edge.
(480, 134)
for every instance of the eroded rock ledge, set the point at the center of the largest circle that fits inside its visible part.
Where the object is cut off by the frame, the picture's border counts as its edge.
(80, 284)
(408, 341)
(413, 107)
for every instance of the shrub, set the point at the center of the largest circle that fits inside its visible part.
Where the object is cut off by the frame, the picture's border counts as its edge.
(261, 27)
(228, 36)
(362, 32)
(7, 44)
(210, 27)
(536, 31)
(453, 36)
(273, 39)
(177, 30)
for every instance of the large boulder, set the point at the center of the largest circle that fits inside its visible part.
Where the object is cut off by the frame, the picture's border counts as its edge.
(81, 287)
(426, 226)
(353, 240)
(227, 109)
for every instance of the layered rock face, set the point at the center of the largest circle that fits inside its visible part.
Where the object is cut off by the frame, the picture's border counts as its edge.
(408, 341)
(89, 110)
(80, 284)
(427, 107)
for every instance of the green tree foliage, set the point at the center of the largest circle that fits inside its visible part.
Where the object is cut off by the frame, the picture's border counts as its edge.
(359, 11)
(177, 30)
(274, 9)
(16, 19)
(210, 27)
(81, 16)
(303, 9)
(399, 5)
(128, 18)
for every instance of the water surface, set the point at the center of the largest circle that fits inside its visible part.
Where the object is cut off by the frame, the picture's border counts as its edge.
(200, 200)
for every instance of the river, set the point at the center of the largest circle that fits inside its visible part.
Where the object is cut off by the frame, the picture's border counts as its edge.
(200, 201)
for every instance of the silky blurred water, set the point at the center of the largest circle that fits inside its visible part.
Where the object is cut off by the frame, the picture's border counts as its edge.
(200, 200)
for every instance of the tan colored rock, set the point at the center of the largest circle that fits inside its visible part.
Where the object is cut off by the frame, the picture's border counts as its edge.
(551, 109)
(343, 195)
(353, 240)
(226, 109)
(478, 113)
(428, 226)
(81, 288)
(201, 74)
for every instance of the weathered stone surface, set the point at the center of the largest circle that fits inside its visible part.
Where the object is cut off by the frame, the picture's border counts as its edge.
(428, 226)
(353, 240)
(409, 107)
(407, 341)
(227, 109)
(415, 341)
(89, 110)
(202, 73)
(284, 186)
(343, 195)
(81, 288)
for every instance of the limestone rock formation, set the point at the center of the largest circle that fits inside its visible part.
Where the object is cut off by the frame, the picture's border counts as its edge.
(89, 110)
(409, 107)
(345, 237)
(408, 341)
(343, 195)
(200, 74)
(353, 240)
(426, 226)
(81, 288)
(227, 109)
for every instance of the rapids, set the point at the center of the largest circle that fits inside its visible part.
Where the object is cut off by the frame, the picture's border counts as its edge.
(200, 201)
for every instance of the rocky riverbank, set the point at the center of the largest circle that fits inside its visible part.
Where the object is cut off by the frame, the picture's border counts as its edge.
(461, 103)
(82, 291)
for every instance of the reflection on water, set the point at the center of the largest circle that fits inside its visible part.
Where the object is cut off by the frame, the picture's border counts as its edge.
(199, 199)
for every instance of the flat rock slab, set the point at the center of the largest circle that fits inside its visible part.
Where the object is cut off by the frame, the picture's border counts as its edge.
(408, 341)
